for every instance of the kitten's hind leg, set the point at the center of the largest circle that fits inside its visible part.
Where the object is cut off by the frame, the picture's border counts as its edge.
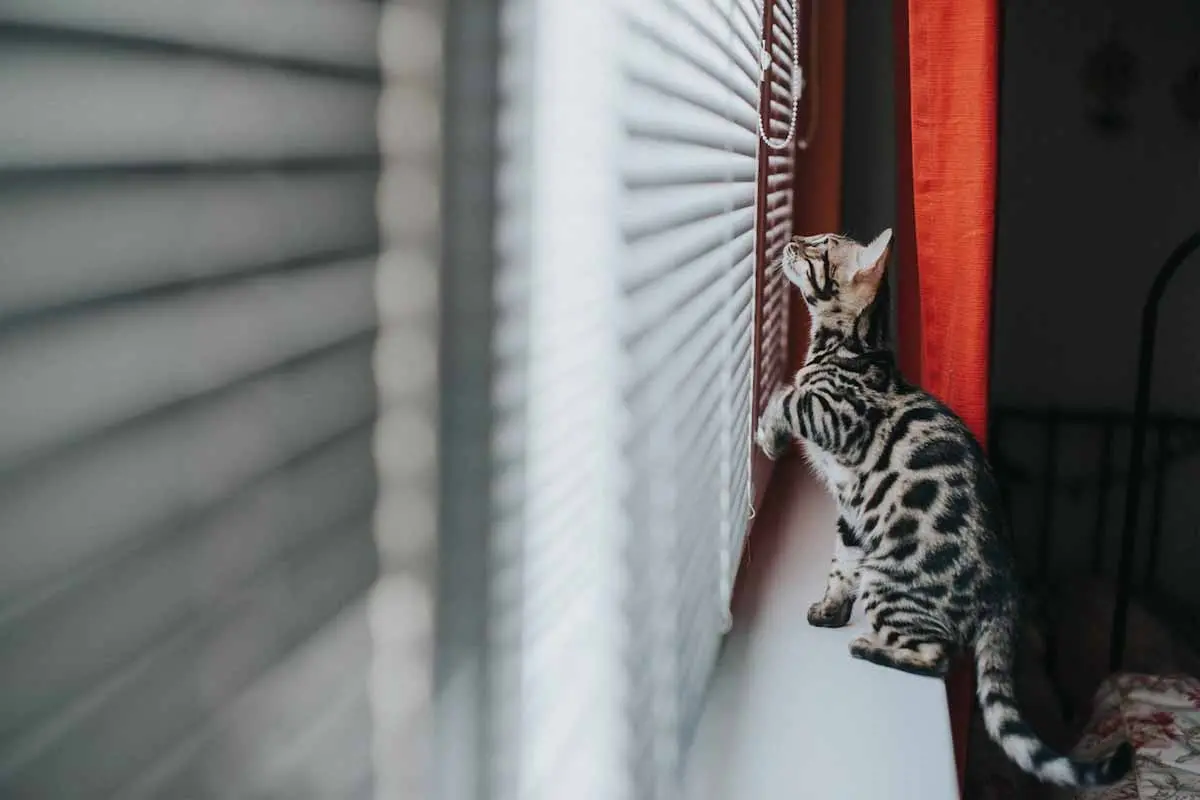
(904, 653)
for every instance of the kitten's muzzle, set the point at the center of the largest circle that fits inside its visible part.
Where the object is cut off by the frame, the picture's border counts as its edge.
(788, 256)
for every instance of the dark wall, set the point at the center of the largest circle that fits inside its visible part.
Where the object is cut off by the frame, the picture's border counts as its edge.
(1084, 220)
(869, 154)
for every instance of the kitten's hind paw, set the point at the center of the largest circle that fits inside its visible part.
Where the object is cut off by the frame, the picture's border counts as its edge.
(928, 659)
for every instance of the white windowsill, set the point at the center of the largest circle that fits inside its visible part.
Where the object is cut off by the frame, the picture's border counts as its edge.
(790, 714)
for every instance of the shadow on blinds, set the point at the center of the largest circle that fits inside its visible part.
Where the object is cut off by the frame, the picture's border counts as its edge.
(188, 245)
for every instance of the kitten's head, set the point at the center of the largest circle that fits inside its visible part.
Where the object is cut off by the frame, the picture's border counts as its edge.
(837, 276)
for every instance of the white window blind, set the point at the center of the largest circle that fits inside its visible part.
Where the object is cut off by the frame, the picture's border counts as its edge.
(634, 333)
(188, 321)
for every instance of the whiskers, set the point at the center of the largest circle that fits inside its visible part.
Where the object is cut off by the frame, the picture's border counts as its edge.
(790, 253)
(788, 256)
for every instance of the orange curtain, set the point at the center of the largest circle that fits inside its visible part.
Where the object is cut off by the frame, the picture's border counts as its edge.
(947, 162)
(947, 85)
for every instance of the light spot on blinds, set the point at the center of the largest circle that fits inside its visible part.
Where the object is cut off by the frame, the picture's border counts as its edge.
(406, 285)
(410, 41)
(408, 122)
(408, 200)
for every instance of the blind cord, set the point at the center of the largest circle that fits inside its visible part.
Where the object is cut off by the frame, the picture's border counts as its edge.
(798, 86)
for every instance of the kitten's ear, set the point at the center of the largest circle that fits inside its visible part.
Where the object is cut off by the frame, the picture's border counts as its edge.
(872, 258)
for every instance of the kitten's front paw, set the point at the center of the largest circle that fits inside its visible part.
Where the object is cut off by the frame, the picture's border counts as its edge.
(829, 614)
(772, 444)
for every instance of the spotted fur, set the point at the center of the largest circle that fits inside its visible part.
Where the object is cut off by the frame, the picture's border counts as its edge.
(919, 526)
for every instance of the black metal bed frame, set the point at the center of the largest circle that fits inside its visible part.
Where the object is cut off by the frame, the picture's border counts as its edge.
(1175, 436)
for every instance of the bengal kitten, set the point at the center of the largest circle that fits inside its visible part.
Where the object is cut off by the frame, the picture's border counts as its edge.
(919, 530)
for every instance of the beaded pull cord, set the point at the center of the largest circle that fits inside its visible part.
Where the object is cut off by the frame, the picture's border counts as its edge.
(799, 84)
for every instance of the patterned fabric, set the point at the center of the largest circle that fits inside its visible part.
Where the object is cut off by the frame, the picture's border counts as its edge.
(1160, 716)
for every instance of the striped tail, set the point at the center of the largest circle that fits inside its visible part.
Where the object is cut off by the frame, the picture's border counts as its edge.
(994, 662)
